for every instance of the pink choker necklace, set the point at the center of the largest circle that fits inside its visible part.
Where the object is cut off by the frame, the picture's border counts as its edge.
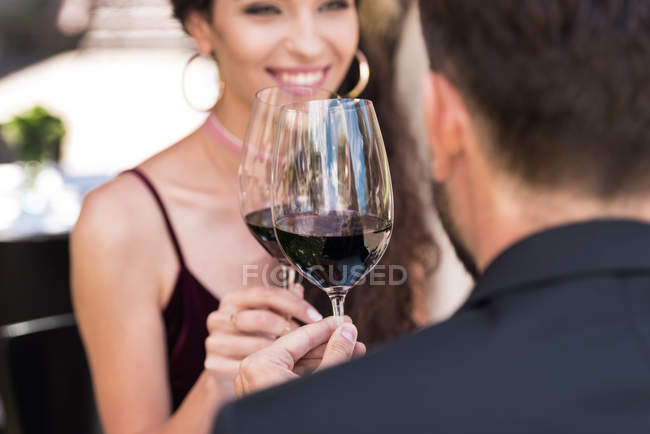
(220, 135)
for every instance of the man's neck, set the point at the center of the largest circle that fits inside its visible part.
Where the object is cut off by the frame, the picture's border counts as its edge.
(513, 218)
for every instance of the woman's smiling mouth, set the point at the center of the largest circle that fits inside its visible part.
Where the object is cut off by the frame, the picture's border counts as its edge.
(299, 76)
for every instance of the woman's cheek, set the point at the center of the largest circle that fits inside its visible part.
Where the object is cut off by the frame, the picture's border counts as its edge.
(251, 48)
(343, 37)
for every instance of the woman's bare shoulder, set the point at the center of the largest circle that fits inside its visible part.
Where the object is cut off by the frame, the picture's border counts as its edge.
(120, 224)
(115, 210)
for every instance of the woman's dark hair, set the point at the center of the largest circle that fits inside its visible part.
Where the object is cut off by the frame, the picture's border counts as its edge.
(182, 8)
(381, 312)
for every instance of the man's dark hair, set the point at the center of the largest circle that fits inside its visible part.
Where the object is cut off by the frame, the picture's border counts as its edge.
(563, 84)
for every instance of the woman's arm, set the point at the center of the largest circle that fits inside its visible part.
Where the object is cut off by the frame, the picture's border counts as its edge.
(116, 282)
(198, 411)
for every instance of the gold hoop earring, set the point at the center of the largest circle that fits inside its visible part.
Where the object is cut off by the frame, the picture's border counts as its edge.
(184, 88)
(364, 75)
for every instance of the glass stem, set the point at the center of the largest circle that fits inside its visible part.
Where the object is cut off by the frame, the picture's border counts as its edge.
(287, 277)
(337, 297)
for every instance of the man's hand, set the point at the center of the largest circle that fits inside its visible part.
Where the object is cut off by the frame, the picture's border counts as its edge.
(307, 349)
(249, 320)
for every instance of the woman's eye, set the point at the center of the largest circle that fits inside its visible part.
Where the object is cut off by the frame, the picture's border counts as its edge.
(335, 5)
(262, 9)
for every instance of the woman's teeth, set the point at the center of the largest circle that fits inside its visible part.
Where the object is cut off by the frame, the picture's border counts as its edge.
(305, 79)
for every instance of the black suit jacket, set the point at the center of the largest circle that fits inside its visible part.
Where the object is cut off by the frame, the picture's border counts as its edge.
(554, 339)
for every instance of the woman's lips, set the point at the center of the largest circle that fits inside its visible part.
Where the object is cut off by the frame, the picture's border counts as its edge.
(299, 76)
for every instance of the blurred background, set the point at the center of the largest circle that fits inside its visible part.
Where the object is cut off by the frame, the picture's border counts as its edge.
(88, 88)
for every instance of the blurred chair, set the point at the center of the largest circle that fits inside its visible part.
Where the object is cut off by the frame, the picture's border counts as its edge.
(44, 378)
(34, 278)
(2, 417)
(45, 385)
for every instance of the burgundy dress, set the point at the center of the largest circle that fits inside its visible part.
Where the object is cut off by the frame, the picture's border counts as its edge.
(185, 317)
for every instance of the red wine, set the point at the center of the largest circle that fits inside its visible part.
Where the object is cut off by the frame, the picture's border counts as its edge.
(336, 249)
(260, 224)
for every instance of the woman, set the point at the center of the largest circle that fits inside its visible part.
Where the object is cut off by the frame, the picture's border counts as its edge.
(159, 248)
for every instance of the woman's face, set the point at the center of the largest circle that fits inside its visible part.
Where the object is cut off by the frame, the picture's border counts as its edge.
(264, 43)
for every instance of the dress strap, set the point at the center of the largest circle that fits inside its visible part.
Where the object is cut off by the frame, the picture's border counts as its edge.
(163, 210)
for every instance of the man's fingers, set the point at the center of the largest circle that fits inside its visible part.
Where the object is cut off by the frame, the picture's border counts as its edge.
(293, 346)
(317, 337)
(261, 370)
(359, 350)
(314, 358)
(306, 366)
(340, 346)
(240, 390)
(316, 353)
(275, 363)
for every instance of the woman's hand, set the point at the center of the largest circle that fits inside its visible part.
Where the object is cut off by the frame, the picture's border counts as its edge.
(248, 321)
(312, 347)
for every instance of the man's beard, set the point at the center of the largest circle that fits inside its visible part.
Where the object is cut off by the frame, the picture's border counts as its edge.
(441, 201)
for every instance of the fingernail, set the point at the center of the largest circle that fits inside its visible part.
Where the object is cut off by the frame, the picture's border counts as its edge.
(349, 332)
(314, 315)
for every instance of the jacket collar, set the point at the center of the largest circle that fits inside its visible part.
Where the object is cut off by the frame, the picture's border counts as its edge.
(590, 247)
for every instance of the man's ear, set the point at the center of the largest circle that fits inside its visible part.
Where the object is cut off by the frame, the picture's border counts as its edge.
(446, 120)
(200, 30)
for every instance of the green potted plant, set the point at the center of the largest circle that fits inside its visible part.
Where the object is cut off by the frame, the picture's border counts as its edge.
(35, 136)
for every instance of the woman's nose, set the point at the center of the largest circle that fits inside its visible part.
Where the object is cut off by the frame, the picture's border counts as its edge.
(305, 39)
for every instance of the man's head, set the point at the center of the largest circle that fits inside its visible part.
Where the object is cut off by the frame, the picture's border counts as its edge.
(536, 99)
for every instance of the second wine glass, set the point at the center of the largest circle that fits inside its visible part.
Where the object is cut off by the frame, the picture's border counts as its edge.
(255, 167)
(332, 193)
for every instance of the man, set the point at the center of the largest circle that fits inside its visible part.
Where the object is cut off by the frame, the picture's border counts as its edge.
(538, 114)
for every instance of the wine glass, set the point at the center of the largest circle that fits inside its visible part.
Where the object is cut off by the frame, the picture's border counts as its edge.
(332, 194)
(255, 166)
